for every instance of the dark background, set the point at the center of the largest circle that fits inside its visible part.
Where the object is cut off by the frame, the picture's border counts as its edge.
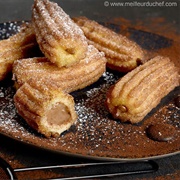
(20, 155)
(14, 10)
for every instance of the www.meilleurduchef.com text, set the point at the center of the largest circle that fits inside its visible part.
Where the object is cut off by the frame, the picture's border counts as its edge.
(140, 4)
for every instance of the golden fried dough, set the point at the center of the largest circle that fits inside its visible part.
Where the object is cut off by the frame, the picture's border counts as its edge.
(18, 46)
(122, 54)
(142, 89)
(48, 111)
(72, 78)
(22, 38)
(59, 38)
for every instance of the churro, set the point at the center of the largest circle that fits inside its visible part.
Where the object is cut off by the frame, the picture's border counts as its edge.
(48, 111)
(21, 45)
(72, 78)
(59, 38)
(142, 89)
(122, 54)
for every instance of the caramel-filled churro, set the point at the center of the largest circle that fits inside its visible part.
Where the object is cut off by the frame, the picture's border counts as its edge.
(49, 111)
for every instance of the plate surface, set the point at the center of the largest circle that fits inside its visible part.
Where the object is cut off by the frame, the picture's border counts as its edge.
(96, 134)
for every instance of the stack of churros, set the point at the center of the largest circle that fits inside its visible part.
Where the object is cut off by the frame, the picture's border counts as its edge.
(75, 54)
(70, 63)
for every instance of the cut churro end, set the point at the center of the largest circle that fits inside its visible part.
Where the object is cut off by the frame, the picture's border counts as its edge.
(48, 111)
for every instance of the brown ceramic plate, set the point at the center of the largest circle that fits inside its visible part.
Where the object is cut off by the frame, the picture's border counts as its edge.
(96, 134)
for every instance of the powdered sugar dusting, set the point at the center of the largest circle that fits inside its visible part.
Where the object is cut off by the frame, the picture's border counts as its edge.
(59, 38)
(8, 29)
(95, 133)
(56, 19)
(10, 122)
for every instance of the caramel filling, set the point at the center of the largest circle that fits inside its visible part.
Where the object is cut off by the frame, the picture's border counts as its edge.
(58, 115)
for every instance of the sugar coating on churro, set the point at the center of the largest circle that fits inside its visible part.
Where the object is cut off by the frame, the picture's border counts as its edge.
(49, 111)
(142, 89)
(122, 54)
(59, 38)
(72, 78)
(21, 45)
